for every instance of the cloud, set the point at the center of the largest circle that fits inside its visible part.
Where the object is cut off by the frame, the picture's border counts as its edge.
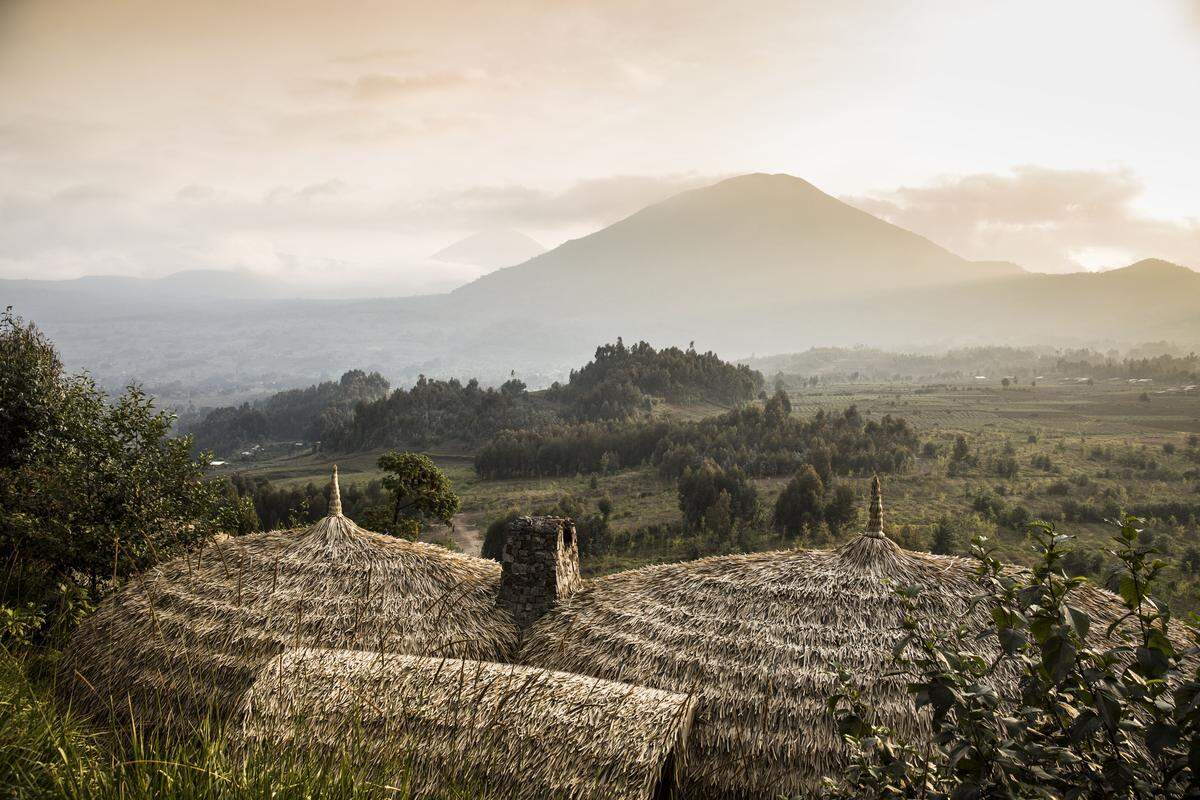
(381, 55)
(596, 202)
(1050, 220)
(381, 86)
(297, 230)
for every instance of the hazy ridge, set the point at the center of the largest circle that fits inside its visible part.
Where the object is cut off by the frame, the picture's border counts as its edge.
(754, 264)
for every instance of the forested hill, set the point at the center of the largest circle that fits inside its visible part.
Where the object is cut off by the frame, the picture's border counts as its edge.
(620, 378)
(359, 413)
(296, 414)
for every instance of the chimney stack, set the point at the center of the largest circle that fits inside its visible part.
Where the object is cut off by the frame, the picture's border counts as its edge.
(539, 567)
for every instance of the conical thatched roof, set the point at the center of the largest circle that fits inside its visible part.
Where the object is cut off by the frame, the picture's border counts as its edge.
(492, 730)
(757, 638)
(191, 634)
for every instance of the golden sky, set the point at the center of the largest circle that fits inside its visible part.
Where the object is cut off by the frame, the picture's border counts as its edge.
(313, 140)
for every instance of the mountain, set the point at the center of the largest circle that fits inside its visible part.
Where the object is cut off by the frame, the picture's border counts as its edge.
(491, 249)
(99, 293)
(757, 264)
(1148, 301)
(742, 241)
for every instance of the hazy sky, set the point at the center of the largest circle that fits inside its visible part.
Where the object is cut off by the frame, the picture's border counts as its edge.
(340, 140)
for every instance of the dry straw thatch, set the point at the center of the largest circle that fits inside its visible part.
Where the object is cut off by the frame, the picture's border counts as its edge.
(494, 730)
(758, 638)
(189, 636)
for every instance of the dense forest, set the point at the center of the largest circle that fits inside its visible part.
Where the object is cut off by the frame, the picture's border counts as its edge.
(620, 380)
(435, 412)
(761, 441)
(359, 413)
(297, 414)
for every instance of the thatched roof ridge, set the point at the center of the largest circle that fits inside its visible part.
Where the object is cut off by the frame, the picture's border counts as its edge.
(191, 633)
(757, 638)
(499, 731)
(335, 495)
(875, 511)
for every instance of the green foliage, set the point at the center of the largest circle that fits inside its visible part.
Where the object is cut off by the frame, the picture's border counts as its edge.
(438, 412)
(841, 508)
(1088, 720)
(46, 752)
(90, 491)
(420, 492)
(1006, 467)
(800, 506)
(32, 388)
(715, 499)
(493, 537)
(359, 413)
(618, 382)
(807, 502)
(747, 438)
(778, 408)
(308, 414)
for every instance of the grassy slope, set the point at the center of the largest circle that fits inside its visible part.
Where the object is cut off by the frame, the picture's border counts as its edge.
(47, 752)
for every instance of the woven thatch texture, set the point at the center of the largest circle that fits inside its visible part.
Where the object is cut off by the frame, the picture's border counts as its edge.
(756, 637)
(496, 730)
(190, 635)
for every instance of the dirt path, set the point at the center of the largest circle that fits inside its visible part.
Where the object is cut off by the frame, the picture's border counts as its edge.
(467, 537)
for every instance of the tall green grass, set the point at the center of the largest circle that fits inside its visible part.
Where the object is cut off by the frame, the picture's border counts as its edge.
(47, 752)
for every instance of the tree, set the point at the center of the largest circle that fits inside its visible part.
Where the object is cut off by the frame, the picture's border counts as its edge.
(420, 492)
(800, 505)
(1191, 560)
(945, 537)
(778, 409)
(90, 491)
(841, 511)
(961, 448)
(236, 515)
(32, 387)
(718, 518)
(700, 489)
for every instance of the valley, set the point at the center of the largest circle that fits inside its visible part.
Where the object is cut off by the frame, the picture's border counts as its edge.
(1102, 442)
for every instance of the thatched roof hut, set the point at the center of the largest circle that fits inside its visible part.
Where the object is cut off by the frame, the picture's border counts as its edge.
(493, 730)
(757, 638)
(189, 635)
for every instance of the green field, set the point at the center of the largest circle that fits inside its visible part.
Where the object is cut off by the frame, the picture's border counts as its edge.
(1087, 433)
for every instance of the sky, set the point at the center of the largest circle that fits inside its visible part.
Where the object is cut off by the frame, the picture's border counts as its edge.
(338, 144)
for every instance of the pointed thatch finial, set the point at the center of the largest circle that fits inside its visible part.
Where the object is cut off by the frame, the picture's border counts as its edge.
(875, 520)
(335, 496)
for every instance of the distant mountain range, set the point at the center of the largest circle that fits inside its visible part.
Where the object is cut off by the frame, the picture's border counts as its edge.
(754, 264)
(491, 249)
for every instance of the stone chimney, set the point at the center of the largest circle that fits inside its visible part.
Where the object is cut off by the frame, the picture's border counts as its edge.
(539, 567)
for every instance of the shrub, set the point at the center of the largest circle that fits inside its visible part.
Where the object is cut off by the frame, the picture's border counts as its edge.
(1090, 721)
(800, 506)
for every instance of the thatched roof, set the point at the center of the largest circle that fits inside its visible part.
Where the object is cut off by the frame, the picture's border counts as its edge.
(193, 632)
(757, 638)
(493, 730)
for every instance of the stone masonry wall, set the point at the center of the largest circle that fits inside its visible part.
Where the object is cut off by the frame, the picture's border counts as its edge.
(540, 566)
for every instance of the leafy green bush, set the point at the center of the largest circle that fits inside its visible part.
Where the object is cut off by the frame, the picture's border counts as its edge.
(91, 491)
(1088, 720)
